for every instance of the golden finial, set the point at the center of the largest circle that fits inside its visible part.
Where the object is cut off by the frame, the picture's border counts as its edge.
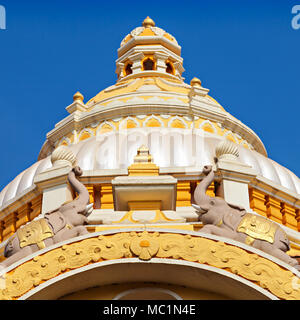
(148, 22)
(195, 82)
(78, 96)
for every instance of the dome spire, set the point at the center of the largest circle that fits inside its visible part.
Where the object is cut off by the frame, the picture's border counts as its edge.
(148, 22)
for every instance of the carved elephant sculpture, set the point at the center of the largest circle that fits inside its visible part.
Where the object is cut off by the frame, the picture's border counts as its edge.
(223, 219)
(58, 225)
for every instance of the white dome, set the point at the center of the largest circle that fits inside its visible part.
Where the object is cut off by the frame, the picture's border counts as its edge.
(103, 152)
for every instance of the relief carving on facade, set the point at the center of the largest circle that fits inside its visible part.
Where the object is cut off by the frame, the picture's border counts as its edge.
(231, 221)
(146, 246)
(58, 225)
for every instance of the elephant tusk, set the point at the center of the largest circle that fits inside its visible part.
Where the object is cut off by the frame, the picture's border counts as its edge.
(198, 208)
(89, 209)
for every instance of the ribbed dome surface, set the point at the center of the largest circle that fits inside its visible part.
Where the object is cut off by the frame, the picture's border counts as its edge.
(95, 154)
(148, 29)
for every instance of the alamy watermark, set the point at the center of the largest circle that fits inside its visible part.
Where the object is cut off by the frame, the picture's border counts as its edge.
(169, 147)
(2, 18)
(296, 19)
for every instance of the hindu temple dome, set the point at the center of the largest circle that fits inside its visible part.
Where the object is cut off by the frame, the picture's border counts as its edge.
(151, 190)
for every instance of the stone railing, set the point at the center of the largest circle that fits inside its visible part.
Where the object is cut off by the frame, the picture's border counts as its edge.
(274, 208)
(25, 213)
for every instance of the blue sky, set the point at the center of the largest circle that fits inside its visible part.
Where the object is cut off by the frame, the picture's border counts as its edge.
(245, 52)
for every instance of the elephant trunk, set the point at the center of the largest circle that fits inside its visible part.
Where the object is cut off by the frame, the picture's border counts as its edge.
(83, 194)
(200, 196)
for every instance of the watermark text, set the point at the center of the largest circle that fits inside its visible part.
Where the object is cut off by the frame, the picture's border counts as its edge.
(296, 19)
(2, 18)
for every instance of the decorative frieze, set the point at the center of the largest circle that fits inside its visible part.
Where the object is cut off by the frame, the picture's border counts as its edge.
(227, 257)
(175, 121)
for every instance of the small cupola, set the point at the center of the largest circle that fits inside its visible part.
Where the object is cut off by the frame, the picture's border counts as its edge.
(149, 50)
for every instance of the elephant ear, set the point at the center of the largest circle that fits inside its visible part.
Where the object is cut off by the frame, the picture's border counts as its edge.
(56, 220)
(286, 244)
(236, 207)
(232, 218)
(284, 240)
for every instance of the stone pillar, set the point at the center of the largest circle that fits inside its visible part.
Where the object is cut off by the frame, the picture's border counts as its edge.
(289, 216)
(90, 189)
(1, 230)
(54, 181)
(119, 70)
(179, 69)
(9, 225)
(273, 209)
(36, 207)
(136, 62)
(234, 176)
(97, 196)
(23, 215)
(258, 201)
(160, 61)
(183, 194)
(107, 200)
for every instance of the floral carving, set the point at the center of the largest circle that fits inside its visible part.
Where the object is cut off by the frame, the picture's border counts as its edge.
(146, 245)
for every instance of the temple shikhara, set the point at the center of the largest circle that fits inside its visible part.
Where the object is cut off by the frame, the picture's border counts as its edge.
(151, 190)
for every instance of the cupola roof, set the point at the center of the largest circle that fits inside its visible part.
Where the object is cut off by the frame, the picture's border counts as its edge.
(149, 50)
(147, 30)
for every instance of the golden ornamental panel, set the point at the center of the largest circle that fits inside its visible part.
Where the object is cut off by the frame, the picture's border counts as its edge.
(34, 233)
(258, 227)
(147, 245)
